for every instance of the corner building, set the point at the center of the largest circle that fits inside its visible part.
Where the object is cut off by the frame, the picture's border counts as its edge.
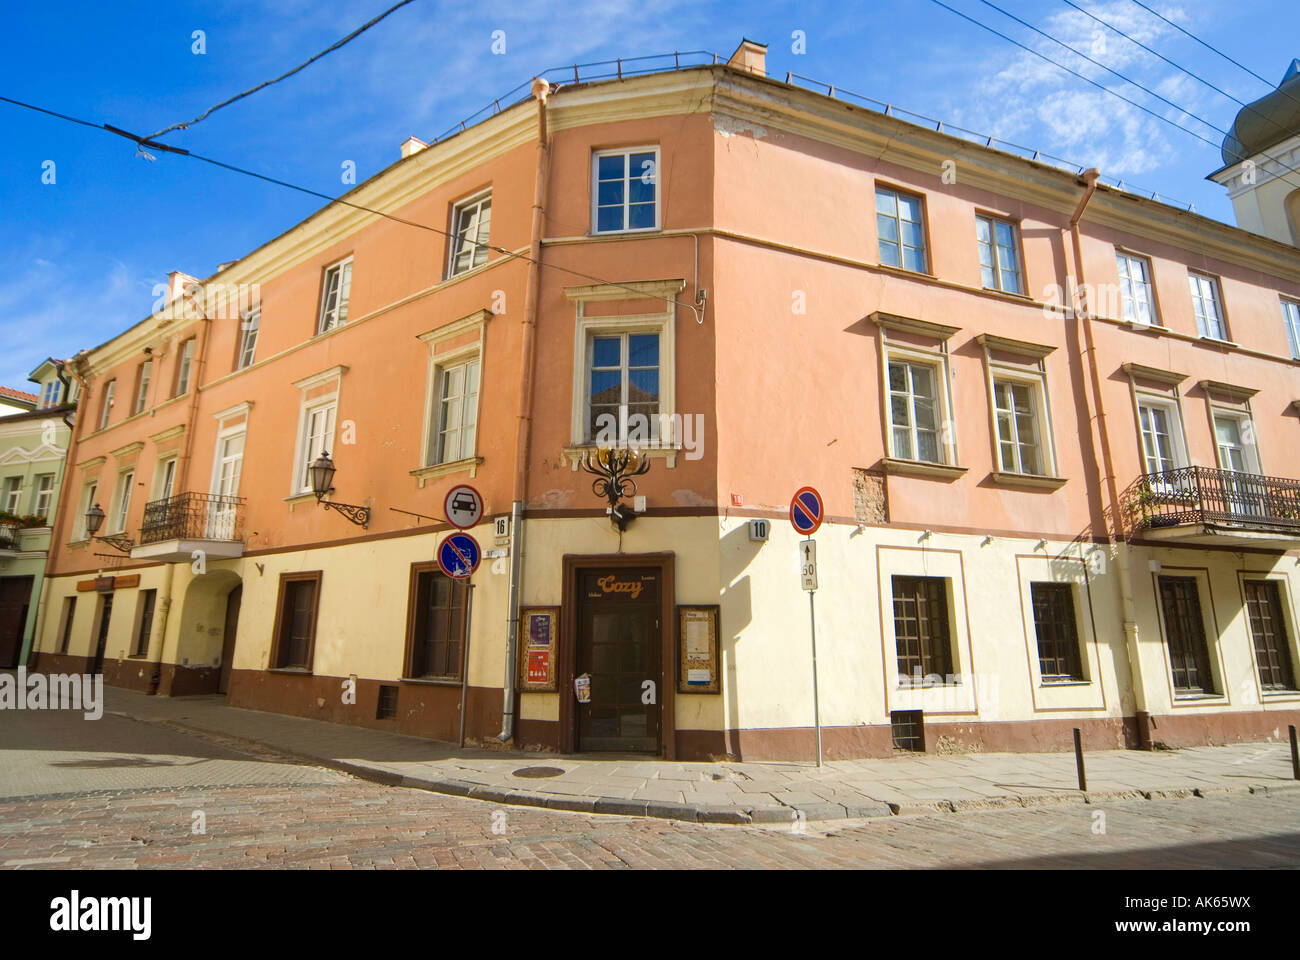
(1051, 422)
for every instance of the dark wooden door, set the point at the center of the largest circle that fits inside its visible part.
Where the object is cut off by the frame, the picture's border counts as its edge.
(228, 637)
(618, 647)
(101, 642)
(15, 593)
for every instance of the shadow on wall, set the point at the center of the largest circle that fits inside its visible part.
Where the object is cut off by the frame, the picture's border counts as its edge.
(736, 553)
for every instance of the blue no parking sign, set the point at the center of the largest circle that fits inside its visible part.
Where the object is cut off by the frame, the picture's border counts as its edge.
(458, 555)
(806, 511)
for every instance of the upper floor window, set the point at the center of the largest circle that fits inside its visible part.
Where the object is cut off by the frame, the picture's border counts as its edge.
(471, 222)
(1016, 410)
(623, 387)
(914, 407)
(248, 328)
(1208, 308)
(165, 478)
(335, 291)
(625, 194)
(457, 414)
(1161, 441)
(1234, 437)
(125, 485)
(317, 438)
(142, 376)
(12, 491)
(1139, 302)
(44, 495)
(900, 229)
(50, 393)
(1291, 317)
(107, 406)
(184, 366)
(88, 499)
(999, 259)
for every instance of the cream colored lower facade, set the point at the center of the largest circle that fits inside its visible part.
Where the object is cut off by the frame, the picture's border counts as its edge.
(991, 698)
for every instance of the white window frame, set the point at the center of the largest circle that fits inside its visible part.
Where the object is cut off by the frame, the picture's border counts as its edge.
(1174, 419)
(1197, 286)
(588, 330)
(1245, 424)
(249, 327)
(163, 484)
(143, 377)
(625, 377)
(185, 366)
(327, 319)
(1291, 320)
(43, 492)
(459, 360)
(898, 219)
(1036, 385)
(995, 252)
(626, 152)
(1129, 287)
(938, 360)
(50, 393)
(121, 511)
(13, 494)
(106, 408)
(457, 243)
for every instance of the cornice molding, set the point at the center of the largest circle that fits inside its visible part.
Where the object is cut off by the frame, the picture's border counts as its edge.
(325, 376)
(1140, 371)
(924, 328)
(627, 290)
(1021, 348)
(1230, 391)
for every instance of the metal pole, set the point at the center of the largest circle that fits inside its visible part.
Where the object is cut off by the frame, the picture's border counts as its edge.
(817, 710)
(1295, 755)
(464, 663)
(1078, 760)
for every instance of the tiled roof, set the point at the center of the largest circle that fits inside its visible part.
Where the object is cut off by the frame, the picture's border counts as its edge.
(22, 395)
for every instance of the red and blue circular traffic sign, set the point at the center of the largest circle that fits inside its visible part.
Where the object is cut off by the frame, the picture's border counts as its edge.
(459, 556)
(806, 511)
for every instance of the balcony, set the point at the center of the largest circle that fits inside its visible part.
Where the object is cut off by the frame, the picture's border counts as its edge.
(176, 527)
(1205, 506)
(11, 539)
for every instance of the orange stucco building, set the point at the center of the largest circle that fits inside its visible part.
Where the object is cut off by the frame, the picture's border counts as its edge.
(1051, 423)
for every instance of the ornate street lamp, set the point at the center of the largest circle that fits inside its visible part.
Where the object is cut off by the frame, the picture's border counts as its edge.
(95, 520)
(614, 470)
(322, 472)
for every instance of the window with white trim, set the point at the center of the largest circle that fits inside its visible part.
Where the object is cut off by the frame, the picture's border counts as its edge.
(122, 499)
(106, 407)
(1234, 440)
(13, 489)
(915, 411)
(900, 229)
(336, 288)
(166, 478)
(1136, 295)
(623, 395)
(317, 438)
(1016, 411)
(248, 329)
(625, 190)
(142, 377)
(455, 419)
(1291, 318)
(1207, 306)
(1161, 430)
(471, 226)
(184, 366)
(50, 393)
(44, 495)
(999, 250)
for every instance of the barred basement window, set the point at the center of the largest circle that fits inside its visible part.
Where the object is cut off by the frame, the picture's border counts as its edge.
(921, 629)
(907, 728)
(387, 707)
(1058, 637)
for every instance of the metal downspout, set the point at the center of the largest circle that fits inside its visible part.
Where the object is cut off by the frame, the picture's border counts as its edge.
(1115, 533)
(541, 90)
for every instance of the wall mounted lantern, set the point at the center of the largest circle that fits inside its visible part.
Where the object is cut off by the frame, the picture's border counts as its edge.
(322, 472)
(95, 520)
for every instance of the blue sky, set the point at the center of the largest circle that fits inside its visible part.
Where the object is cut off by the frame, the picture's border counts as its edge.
(84, 253)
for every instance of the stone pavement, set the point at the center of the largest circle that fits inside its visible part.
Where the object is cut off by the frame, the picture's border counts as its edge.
(726, 792)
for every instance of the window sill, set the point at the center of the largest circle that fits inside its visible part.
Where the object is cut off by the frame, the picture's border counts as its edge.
(1028, 480)
(922, 468)
(432, 681)
(623, 233)
(1281, 694)
(1225, 344)
(1140, 327)
(928, 686)
(293, 671)
(298, 499)
(1043, 684)
(425, 474)
(1198, 697)
(573, 454)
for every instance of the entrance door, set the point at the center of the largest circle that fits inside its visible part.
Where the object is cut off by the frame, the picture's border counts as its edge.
(228, 637)
(105, 614)
(15, 592)
(618, 647)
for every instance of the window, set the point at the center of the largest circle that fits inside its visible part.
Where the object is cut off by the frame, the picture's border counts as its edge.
(248, 328)
(295, 620)
(1291, 318)
(123, 499)
(142, 375)
(13, 488)
(1058, 638)
(145, 626)
(1016, 413)
(913, 412)
(166, 479)
(1205, 302)
(1268, 629)
(228, 464)
(471, 223)
(1234, 439)
(44, 494)
(626, 190)
(900, 229)
(921, 629)
(1160, 451)
(317, 438)
(1139, 303)
(1189, 656)
(623, 387)
(457, 413)
(87, 501)
(334, 296)
(436, 624)
(69, 612)
(106, 407)
(183, 368)
(50, 394)
(999, 259)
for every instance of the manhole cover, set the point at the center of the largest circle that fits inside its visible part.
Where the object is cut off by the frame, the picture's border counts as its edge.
(536, 773)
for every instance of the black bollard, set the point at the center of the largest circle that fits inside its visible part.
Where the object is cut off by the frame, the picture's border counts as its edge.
(1078, 758)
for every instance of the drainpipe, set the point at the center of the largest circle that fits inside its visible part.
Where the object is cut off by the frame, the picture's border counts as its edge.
(532, 297)
(1115, 533)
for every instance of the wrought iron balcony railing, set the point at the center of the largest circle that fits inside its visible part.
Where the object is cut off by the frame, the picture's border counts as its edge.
(193, 516)
(11, 536)
(1206, 495)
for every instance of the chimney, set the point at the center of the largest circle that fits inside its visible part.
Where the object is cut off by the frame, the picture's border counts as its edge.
(750, 57)
(176, 283)
(412, 145)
